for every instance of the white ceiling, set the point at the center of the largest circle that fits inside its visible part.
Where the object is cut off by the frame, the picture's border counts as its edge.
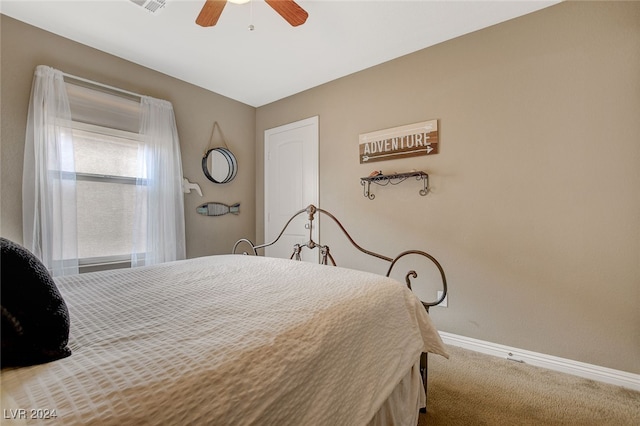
(275, 60)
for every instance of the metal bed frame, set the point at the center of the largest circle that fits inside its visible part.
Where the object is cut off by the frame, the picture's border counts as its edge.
(326, 257)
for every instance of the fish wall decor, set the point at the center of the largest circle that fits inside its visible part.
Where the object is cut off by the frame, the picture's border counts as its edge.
(217, 209)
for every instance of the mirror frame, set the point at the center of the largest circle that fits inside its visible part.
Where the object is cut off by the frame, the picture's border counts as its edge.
(231, 162)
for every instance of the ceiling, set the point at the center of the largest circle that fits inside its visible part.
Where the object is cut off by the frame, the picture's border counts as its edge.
(275, 60)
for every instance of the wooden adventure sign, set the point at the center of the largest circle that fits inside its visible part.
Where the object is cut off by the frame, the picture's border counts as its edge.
(411, 140)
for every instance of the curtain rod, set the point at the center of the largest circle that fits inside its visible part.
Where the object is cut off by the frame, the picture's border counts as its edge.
(104, 86)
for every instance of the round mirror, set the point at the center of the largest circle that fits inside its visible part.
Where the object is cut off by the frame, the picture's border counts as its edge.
(219, 165)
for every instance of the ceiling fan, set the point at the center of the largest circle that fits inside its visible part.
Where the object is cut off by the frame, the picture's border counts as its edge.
(288, 9)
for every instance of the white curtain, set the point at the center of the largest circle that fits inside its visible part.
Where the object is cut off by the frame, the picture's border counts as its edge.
(49, 205)
(49, 186)
(159, 231)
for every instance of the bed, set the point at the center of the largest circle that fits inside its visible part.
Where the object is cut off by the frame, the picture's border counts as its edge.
(231, 340)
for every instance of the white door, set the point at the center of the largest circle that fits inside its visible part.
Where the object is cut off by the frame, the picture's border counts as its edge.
(290, 185)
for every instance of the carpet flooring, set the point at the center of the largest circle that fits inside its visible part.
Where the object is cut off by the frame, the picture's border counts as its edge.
(472, 388)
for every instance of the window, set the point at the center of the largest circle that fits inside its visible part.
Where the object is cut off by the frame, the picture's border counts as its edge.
(107, 171)
(107, 150)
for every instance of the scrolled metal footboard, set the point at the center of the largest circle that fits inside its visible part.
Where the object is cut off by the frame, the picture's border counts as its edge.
(326, 257)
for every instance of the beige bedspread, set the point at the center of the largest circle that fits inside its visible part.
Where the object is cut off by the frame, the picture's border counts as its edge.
(227, 340)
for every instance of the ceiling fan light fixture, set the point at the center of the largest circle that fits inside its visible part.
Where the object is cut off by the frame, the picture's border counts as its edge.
(239, 1)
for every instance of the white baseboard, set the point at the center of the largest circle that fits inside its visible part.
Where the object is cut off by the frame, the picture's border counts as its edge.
(563, 365)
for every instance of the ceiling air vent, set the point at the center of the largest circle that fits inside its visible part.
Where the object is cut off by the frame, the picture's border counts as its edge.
(152, 6)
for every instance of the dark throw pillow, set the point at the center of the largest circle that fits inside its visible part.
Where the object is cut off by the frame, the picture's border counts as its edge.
(35, 318)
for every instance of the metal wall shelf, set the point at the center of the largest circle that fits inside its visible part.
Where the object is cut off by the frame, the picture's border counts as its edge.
(393, 179)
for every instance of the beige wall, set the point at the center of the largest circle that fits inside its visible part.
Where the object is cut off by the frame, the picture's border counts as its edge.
(535, 208)
(24, 47)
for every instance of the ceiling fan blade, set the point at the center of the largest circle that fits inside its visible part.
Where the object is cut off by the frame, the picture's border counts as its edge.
(210, 13)
(290, 11)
